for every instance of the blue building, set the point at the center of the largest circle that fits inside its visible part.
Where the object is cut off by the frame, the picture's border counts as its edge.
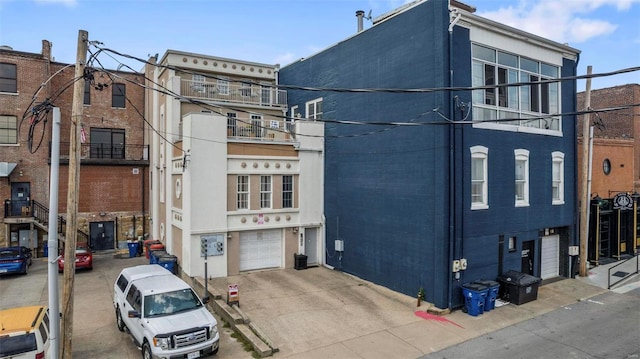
(435, 176)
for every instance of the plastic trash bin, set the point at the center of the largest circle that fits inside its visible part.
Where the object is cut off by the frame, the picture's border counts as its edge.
(46, 249)
(519, 288)
(474, 298)
(169, 261)
(150, 244)
(492, 294)
(133, 249)
(155, 255)
(300, 261)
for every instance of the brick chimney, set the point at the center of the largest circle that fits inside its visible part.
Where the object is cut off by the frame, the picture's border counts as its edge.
(46, 49)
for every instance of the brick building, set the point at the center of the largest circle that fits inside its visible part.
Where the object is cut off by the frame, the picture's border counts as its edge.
(615, 172)
(114, 166)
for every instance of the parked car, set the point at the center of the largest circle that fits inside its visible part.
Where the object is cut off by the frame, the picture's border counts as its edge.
(163, 314)
(16, 259)
(24, 332)
(84, 258)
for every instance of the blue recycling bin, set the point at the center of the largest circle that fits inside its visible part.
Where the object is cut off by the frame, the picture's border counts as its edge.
(133, 249)
(492, 293)
(474, 298)
(154, 257)
(168, 261)
(46, 249)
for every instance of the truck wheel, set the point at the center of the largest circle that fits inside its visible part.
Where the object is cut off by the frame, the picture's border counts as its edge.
(119, 320)
(146, 351)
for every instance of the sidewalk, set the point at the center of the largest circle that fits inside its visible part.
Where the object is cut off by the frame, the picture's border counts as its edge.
(320, 313)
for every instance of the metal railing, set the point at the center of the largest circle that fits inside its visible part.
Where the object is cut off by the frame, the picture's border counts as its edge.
(622, 271)
(40, 214)
(252, 94)
(101, 151)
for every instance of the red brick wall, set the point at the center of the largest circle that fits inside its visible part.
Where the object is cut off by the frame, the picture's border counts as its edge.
(619, 140)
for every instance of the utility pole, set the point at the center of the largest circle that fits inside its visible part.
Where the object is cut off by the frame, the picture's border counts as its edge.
(71, 233)
(584, 174)
(52, 265)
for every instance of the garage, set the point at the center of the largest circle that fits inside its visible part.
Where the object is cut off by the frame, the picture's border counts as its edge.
(260, 249)
(549, 257)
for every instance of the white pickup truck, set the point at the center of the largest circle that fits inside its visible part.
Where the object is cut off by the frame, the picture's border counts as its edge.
(163, 314)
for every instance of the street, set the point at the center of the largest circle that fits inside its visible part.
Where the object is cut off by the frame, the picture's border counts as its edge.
(95, 334)
(605, 326)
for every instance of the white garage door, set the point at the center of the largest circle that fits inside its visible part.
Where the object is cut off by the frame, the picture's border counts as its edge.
(260, 249)
(549, 257)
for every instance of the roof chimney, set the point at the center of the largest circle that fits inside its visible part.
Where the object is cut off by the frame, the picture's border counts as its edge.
(360, 16)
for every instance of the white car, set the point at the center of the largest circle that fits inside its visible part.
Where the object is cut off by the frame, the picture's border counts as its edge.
(163, 314)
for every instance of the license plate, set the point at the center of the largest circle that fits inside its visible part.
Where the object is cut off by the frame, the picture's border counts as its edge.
(77, 260)
(193, 355)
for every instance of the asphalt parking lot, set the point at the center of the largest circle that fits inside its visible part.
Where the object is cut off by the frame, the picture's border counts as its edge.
(95, 334)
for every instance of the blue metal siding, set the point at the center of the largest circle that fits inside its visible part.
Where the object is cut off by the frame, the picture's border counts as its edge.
(386, 187)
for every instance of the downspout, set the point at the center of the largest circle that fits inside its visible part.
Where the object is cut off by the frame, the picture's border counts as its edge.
(452, 23)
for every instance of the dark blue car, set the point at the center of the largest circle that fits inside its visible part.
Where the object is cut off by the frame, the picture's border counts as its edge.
(15, 259)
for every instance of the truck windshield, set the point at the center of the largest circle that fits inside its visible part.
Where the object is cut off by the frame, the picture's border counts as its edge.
(160, 304)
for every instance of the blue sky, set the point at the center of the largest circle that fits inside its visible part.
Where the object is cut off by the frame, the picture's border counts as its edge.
(281, 31)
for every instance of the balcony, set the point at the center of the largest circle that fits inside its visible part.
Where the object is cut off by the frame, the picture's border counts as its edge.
(107, 154)
(237, 93)
(260, 130)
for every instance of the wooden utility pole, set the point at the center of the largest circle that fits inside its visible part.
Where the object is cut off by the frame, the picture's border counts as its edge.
(585, 199)
(71, 232)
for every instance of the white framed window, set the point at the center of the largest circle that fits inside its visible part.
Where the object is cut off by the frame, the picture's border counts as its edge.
(479, 177)
(245, 87)
(232, 127)
(518, 104)
(522, 177)
(557, 178)
(265, 192)
(294, 114)
(314, 109)
(243, 192)
(222, 85)
(287, 191)
(198, 83)
(257, 128)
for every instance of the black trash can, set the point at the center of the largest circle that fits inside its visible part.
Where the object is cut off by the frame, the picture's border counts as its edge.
(300, 261)
(519, 288)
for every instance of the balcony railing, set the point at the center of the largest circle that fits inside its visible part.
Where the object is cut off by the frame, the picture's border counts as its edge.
(253, 94)
(260, 130)
(106, 152)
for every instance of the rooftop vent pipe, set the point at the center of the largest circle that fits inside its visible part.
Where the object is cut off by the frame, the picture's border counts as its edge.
(360, 16)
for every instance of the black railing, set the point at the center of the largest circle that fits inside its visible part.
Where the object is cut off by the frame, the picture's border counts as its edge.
(622, 271)
(102, 151)
(40, 214)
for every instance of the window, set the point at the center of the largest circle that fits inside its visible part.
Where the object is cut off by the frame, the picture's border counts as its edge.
(222, 85)
(198, 83)
(314, 109)
(231, 124)
(294, 114)
(479, 177)
(87, 92)
(257, 130)
(522, 177)
(287, 191)
(8, 130)
(515, 105)
(265, 93)
(245, 88)
(606, 166)
(107, 143)
(243, 192)
(8, 78)
(265, 191)
(118, 95)
(512, 244)
(557, 178)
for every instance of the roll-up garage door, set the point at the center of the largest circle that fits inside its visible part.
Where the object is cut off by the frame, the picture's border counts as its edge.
(549, 257)
(260, 250)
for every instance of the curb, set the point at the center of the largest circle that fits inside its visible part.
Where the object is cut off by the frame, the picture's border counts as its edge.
(238, 320)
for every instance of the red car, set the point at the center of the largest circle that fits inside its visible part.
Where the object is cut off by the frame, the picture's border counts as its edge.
(84, 258)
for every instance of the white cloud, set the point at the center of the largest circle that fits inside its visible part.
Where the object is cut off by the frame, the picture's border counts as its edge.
(561, 21)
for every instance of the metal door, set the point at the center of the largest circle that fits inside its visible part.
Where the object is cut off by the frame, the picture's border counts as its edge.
(311, 245)
(101, 235)
(20, 197)
(528, 254)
